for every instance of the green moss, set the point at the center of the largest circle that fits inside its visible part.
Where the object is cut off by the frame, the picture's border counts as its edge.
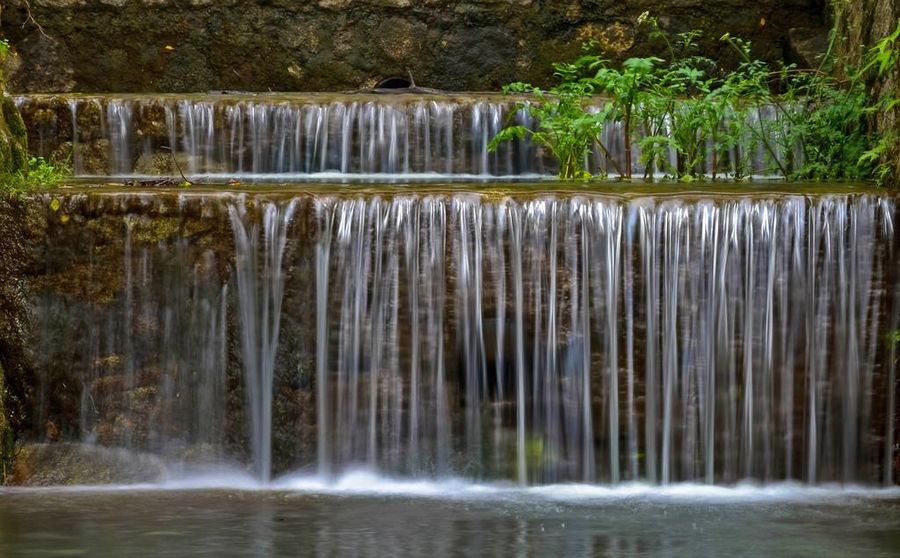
(13, 142)
(156, 230)
(13, 119)
(6, 163)
(64, 464)
(18, 157)
(13, 134)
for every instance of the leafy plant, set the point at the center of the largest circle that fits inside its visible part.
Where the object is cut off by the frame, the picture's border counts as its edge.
(566, 126)
(627, 91)
(39, 173)
(691, 120)
(822, 125)
(879, 60)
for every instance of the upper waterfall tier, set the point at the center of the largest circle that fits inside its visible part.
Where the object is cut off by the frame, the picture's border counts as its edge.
(312, 136)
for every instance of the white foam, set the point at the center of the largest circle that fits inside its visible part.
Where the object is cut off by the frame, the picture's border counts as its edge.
(743, 492)
(363, 483)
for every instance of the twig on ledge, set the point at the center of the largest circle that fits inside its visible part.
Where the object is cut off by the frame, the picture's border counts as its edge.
(177, 166)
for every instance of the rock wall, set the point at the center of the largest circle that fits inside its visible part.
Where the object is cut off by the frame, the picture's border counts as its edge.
(13, 141)
(65, 464)
(132, 345)
(327, 45)
(7, 441)
(13, 308)
(14, 325)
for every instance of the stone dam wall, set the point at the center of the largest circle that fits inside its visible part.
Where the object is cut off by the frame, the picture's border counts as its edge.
(336, 45)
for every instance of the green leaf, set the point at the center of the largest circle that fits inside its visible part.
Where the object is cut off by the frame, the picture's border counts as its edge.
(508, 134)
(641, 65)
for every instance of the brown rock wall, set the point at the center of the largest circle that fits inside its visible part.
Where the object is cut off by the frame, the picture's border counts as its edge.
(329, 45)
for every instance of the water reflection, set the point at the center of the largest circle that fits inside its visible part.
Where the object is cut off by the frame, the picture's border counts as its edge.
(247, 523)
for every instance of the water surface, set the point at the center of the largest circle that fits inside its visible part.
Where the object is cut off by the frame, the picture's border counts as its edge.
(362, 516)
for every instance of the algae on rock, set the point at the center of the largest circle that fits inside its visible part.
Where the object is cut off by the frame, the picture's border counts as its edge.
(13, 136)
(67, 464)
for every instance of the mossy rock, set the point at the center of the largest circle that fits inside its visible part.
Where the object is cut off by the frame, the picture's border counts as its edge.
(13, 119)
(6, 163)
(13, 137)
(336, 45)
(83, 464)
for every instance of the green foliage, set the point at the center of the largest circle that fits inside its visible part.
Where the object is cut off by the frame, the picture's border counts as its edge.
(627, 91)
(809, 125)
(835, 123)
(4, 53)
(38, 174)
(881, 59)
(566, 127)
(830, 126)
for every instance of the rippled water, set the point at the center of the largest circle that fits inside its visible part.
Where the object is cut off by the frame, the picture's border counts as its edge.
(363, 515)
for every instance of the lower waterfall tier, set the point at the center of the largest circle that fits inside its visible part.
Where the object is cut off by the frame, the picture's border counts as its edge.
(533, 338)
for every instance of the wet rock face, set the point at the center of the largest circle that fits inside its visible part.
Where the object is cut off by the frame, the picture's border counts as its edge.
(118, 386)
(15, 218)
(13, 136)
(116, 285)
(13, 145)
(163, 45)
(77, 464)
(7, 440)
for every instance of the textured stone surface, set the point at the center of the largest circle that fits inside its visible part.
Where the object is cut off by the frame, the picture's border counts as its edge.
(6, 435)
(73, 264)
(80, 464)
(327, 45)
(14, 325)
(13, 141)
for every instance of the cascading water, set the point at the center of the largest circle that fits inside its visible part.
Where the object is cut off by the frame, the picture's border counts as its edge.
(325, 137)
(535, 339)
(140, 342)
(658, 340)
(260, 295)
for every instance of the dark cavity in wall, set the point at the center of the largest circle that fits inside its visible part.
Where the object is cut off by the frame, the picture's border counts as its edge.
(395, 82)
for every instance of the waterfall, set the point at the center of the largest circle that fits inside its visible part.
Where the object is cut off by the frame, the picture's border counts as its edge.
(260, 296)
(145, 367)
(345, 137)
(705, 296)
(533, 338)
